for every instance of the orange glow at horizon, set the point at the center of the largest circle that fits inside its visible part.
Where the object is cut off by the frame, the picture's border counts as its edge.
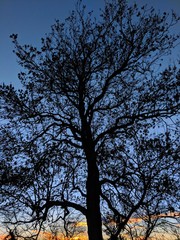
(83, 235)
(81, 224)
(3, 237)
(49, 236)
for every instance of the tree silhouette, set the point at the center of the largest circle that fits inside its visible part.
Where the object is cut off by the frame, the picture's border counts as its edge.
(79, 134)
(142, 192)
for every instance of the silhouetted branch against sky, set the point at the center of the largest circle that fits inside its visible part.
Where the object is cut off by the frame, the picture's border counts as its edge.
(82, 132)
(32, 19)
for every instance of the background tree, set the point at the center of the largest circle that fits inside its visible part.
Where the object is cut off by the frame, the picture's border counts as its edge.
(72, 225)
(151, 174)
(149, 226)
(93, 91)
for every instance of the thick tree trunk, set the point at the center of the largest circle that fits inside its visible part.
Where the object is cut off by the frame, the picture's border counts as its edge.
(93, 216)
(93, 203)
(94, 222)
(113, 237)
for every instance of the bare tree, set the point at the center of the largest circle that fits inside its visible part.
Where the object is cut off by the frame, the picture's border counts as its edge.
(92, 92)
(11, 236)
(147, 191)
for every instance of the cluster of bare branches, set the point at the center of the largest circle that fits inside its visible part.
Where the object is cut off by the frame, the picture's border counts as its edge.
(94, 127)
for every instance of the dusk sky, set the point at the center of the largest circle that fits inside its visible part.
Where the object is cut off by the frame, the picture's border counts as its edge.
(31, 19)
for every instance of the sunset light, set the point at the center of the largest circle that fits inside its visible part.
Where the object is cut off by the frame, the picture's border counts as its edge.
(89, 120)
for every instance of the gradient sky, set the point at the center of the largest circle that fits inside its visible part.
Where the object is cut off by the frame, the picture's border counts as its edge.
(31, 19)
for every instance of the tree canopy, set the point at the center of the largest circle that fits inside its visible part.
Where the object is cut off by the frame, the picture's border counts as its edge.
(94, 127)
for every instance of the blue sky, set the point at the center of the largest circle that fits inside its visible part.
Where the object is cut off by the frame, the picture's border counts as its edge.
(31, 19)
